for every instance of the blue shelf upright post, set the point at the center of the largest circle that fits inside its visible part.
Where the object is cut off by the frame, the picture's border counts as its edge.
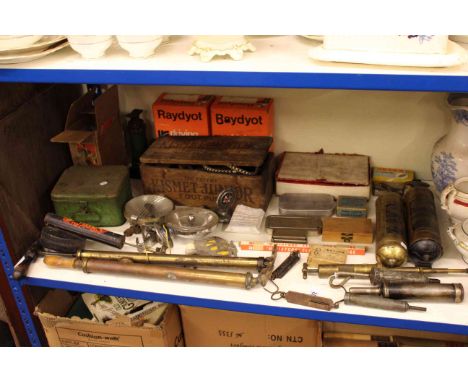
(18, 293)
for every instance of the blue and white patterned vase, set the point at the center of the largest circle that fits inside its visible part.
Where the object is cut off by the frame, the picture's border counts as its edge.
(450, 153)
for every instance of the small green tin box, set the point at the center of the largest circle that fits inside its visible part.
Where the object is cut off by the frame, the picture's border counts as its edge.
(351, 206)
(93, 194)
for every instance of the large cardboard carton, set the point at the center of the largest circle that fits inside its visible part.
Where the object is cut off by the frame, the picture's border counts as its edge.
(351, 331)
(212, 327)
(75, 331)
(93, 130)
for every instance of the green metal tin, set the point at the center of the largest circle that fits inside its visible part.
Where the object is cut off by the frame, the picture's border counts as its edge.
(93, 194)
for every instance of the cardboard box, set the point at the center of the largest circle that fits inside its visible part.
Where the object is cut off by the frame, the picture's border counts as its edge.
(93, 130)
(338, 327)
(243, 116)
(211, 327)
(182, 114)
(64, 331)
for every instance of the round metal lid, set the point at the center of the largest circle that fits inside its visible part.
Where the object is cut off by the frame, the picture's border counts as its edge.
(189, 220)
(146, 209)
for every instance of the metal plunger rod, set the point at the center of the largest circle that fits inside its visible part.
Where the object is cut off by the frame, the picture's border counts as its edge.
(188, 260)
(327, 270)
(243, 280)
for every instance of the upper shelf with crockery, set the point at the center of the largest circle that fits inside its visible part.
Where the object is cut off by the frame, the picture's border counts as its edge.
(278, 62)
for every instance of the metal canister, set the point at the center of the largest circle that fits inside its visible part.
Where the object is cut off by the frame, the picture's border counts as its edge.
(424, 242)
(391, 249)
(429, 291)
(377, 276)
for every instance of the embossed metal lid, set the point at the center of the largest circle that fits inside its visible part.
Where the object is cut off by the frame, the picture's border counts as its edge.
(190, 220)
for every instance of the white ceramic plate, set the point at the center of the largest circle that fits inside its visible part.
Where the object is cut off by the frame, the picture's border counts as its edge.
(315, 37)
(43, 44)
(26, 57)
(456, 55)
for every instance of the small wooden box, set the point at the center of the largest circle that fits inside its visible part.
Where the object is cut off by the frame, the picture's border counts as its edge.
(347, 230)
(174, 167)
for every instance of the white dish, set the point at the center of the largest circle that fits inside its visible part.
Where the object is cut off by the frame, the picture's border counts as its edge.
(315, 37)
(139, 46)
(210, 46)
(43, 44)
(455, 55)
(459, 38)
(90, 46)
(26, 57)
(8, 42)
(421, 44)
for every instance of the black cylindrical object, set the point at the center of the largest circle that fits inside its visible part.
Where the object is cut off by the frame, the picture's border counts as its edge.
(424, 242)
(430, 291)
(86, 230)
(56, 239)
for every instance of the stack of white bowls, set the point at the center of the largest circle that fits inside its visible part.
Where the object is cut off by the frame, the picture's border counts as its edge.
(140, 46)
(96, 46)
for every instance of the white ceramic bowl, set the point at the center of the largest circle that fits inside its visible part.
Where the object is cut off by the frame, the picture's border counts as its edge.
(17, 42)
(90, 46)
(139, 46)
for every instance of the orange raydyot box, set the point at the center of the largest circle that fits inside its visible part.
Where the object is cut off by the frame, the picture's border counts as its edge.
(243, 116)
(182, 114)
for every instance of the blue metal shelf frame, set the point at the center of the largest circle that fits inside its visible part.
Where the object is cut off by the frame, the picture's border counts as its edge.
(17, 292)
(390, 82)
(252, 308)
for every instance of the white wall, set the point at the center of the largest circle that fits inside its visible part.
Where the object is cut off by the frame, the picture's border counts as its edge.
(397, 129)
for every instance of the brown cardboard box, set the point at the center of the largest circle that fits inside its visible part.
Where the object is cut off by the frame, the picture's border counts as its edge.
(94, 132)
(338, 327)
(211, 327)
(64, 331)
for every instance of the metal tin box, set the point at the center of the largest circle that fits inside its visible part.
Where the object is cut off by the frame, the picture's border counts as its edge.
(93, 195)
(306, 204)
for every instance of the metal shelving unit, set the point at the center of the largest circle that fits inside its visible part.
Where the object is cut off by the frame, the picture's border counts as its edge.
(268, 67)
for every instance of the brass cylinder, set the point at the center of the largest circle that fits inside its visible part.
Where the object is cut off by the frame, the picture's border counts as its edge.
(432, 291)
(390, 230)
(424, 242)
(243, 280)
(185, 260)
(327, 270)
